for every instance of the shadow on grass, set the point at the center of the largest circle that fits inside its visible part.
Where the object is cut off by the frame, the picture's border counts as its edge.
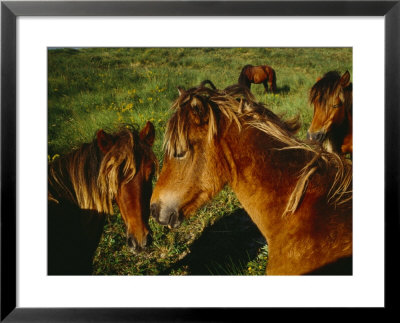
(283, 90)
(224, 248)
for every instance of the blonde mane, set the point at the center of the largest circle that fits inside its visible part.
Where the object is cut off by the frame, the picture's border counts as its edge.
(236, 103)
(204, 106)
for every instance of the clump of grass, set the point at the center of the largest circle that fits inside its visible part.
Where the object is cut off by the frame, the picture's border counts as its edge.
(168, 247)
(258, 265)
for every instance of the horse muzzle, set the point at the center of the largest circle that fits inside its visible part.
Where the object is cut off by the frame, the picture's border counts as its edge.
(136, 247)
(318, 136)
(169, 216)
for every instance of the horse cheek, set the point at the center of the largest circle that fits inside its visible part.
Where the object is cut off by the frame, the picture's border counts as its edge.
(319, 121)
(130, 202)
(338, 116)
(332, 118)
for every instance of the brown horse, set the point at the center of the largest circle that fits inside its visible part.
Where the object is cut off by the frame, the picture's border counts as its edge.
(82, 187)
(299, 197)
(332, 97)
(258, 74)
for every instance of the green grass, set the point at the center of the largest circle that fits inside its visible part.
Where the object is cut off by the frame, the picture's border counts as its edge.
(95, 88)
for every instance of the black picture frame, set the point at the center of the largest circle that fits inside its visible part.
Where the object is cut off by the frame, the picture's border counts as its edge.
(10, 10)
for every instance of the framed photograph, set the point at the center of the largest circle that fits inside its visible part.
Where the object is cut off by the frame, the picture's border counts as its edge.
(73, 71)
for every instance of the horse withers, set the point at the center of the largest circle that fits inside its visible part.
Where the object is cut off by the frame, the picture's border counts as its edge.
(82, 187)
(258, 74)
(298, 196)
(332, 123)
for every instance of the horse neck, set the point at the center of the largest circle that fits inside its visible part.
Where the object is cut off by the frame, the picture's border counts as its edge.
(348, 94)
(243, 80)
(261, 176)
(347, 144)
(340, 132)
(336, 136)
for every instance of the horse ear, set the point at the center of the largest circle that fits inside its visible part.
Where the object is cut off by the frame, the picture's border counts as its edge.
(198, 111)
(181, 91)
(104, 141)
(148, 133)
(345, 79)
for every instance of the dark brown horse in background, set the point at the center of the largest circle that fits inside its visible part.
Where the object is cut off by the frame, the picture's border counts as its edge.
(300, 198)
(82, 187)
(332, 123)
(258, 74)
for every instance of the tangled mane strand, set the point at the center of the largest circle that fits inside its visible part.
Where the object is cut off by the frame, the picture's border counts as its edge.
(90, 179)
(235, 102)
(119, 160)
(340, 191)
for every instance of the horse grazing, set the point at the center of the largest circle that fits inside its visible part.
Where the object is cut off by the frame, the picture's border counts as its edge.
(258, 74)
(298, 196)
(332, 97)
(82, 187)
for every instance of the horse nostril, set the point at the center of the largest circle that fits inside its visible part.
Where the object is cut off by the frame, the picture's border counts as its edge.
(320, 136)
(316, 136)
(135, 246)
(172, 215)
(166, 215)
(175, 219)
(154, 210)
(131, 242)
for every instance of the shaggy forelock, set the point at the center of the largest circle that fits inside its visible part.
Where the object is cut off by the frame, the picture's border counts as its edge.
(325, 88)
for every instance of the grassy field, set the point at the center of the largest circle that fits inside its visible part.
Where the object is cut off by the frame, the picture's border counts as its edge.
(93, 88)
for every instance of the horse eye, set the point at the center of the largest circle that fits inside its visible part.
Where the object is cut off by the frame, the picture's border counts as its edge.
(337, 106)
(180, 154)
